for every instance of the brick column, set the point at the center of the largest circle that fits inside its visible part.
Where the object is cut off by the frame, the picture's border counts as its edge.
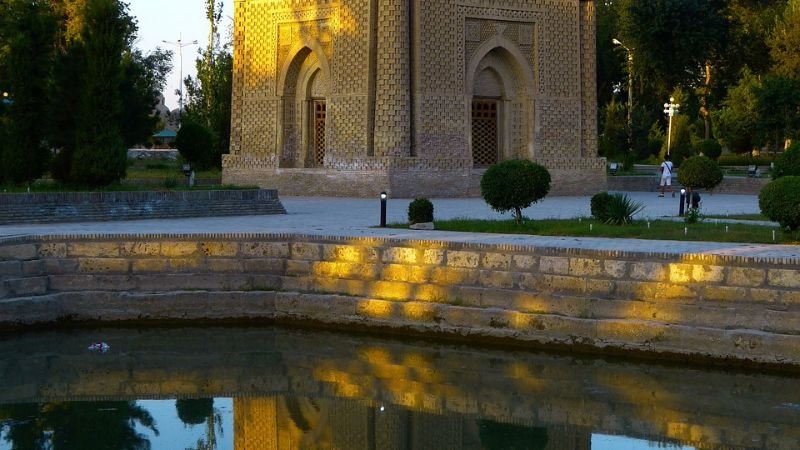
(392, 99)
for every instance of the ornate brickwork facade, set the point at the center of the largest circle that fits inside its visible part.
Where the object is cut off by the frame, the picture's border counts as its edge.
(353, 97)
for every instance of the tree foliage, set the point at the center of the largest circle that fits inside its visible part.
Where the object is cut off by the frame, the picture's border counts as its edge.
(209, 95)
(780, 201)
(700, 172)
(195, 143)
(785, 42)
(788, 164)
(514, 185)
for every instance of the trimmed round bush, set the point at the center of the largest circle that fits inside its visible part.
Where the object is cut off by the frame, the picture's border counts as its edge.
(196, 144)
(700, 172)
(514, 185)
(420, 211)
(599, 206)
(709, 148)
(780, 201)
(788, 163)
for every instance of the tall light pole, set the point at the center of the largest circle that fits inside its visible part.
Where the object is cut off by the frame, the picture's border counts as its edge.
(180, 44)
(670, 109)
(629, 53)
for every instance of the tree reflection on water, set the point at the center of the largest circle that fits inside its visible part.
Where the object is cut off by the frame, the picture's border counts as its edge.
(76, 426)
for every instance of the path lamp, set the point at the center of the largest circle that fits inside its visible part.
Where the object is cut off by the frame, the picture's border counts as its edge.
(671, 110)
(681, 209)
(384, 196)
(629, 53)
(180, 44)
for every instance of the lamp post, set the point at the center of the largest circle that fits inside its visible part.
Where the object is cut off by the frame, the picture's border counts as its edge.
(180, 44)
(384, 196)
(670, 109)
(629, 53)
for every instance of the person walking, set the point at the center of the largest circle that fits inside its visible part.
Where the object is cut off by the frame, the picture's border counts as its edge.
(666, 176)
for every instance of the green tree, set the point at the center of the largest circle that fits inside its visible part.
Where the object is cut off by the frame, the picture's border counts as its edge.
(143, 78)
(27, 29)
(735, 124)
(700, 172)
(209, 95)
(100, 153)
(778, 109)
(785, 42)
(195, 143)
(676, 43)
(513, 185)
(614, 138)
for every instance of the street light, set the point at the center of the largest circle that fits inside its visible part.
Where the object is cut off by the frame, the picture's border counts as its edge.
(629, 53)
(180, 44)
(670, 109)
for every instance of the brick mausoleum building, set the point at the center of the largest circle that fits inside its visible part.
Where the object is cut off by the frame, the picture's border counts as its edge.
(415, 97)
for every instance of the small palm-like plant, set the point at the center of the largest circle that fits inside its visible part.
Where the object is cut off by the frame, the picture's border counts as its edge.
(620, 209)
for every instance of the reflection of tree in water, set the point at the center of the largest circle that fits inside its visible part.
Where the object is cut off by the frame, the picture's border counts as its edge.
(196, 412)
(497, 436)
(78, 426)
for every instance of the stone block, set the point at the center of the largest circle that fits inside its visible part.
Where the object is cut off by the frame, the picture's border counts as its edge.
(10, 268)
(496, 279)
(18, 251)
(637, 334)
(103, 265)
(376, 309)
(724, 293)
(680, 273)
(400, 255)
(765, 295)
(391, 290)
(228, 265)
(434, 257)
(187, 264)
(745, 276)
(554, 265)
(496, 261)
(219, 249)
(52, 250)
(149, 265)
(649, 271)
(296, 268)
(179, 249)
(702, 273)
(306, 251)
(463, 259)
(349, 253)
(265, 249)
(585, 267)
(524, 263)
(450, 276)
(264, 265)
(433, 293)
(93, 249)
(419, 312)
(93, 282)
(615, 269)
(21, 287)
(140, 248)
(559, 283)
(60, 266)
(784, 278)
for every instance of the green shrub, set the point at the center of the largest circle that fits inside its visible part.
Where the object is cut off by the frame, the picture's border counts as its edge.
(196, 145)
(700, 172)
(780, 201)
(693, 215)
(788, 164)
(420, 211)
(709, 148)
(599, 206)
(513, 185)
(732, 159)
(620, 209)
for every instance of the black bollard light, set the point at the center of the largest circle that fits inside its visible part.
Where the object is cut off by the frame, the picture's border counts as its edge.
(682, 203)
(384, 196)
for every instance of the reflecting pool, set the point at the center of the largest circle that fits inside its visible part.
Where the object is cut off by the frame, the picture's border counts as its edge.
(275, 388)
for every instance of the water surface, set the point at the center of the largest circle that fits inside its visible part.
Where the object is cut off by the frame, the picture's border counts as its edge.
(276, 388)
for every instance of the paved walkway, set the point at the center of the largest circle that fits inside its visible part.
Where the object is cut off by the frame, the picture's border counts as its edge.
(359, 218)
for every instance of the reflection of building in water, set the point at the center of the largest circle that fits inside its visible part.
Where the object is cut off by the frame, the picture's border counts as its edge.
(282, 423)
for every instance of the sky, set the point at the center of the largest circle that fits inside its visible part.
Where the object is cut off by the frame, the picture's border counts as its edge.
(170, 20)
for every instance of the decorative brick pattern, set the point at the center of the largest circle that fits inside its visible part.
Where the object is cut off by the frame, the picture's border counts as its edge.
(397, 95)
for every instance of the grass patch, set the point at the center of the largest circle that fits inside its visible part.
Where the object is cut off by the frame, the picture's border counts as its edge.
(759, 217)
(657, 230)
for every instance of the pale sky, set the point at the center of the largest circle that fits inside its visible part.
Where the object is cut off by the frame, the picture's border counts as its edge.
(170, 20)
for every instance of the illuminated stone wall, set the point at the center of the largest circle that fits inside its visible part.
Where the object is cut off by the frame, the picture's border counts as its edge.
(398, 78)
(673, 306)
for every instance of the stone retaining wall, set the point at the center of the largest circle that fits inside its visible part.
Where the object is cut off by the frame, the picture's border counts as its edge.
(729, 185)
(89, 206)
(687, 306)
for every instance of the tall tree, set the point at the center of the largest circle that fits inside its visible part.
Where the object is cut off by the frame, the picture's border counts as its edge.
(27, 31)
(100, 153)
(209, 96)
(785, 42)
(677, 44)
